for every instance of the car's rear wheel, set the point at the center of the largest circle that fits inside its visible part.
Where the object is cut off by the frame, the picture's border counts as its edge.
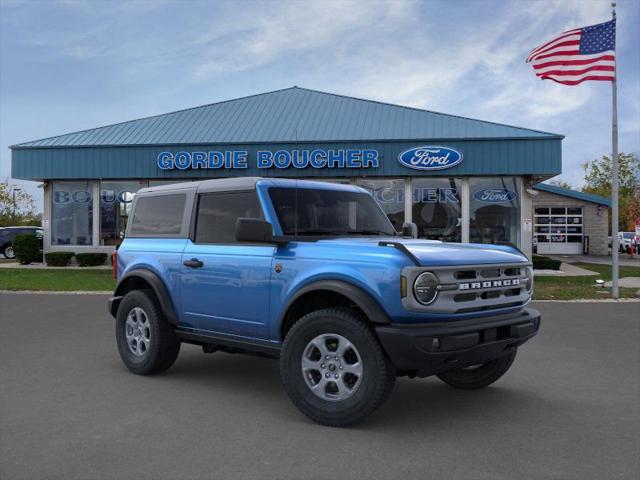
(146, 341)
(333, 367)
(8, 252)
(481, 375)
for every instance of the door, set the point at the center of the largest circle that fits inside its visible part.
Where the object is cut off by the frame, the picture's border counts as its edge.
(559, 230)
(225, 284)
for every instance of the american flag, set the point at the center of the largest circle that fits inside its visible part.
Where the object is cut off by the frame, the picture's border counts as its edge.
(587, 53)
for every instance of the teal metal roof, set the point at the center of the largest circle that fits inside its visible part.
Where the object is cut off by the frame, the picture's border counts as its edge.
(565, 192)
(291, 115)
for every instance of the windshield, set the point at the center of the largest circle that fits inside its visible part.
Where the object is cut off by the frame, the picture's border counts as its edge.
(304, 211)
(628, 234)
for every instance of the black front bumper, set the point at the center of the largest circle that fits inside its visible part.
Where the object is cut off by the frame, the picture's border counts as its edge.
(427, 349)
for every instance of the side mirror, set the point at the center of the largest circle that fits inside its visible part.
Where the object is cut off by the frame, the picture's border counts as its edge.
(254, 230)
(410, 230)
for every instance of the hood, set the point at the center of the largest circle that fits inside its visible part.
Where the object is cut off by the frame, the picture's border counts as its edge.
(436, 253)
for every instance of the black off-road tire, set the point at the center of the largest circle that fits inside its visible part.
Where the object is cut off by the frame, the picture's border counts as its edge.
(378, 378)
(164, 345)
(472, 378)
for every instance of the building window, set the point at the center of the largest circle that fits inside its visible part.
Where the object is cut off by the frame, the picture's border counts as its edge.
(115, 206)
(390, 196)
(494, 211)
(71, 213)
(436, 209)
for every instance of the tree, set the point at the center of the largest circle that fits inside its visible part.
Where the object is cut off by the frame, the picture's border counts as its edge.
(597, 180)
(558, 182)
(25, 207)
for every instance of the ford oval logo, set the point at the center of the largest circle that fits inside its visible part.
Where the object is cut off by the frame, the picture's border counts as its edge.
(430, 158)
(495, 195)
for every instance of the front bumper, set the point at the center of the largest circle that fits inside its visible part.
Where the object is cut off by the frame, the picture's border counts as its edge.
(428, 349)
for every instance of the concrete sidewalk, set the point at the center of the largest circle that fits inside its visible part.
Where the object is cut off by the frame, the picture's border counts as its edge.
(624, 259)
(566, 270)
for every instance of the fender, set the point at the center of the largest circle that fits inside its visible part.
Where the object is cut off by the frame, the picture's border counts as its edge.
(371, 308)
(158, 286)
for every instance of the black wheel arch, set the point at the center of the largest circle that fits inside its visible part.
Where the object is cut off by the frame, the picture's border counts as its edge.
(139, 279)
(369, 306)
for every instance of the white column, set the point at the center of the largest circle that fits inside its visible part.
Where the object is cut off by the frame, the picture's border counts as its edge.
(96, 213)
(526, 218)
(46, 216)
(464, 203)
(408, 200)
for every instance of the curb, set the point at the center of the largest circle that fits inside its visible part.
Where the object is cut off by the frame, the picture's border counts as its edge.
(591, 300)
(56, 292)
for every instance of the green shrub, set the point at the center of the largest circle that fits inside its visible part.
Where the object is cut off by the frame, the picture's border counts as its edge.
(90, 259)
(58, 259)
(27, 248)
(545, 263)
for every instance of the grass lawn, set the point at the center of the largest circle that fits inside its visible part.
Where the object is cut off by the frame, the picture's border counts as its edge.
(568, 288)
(89, 280)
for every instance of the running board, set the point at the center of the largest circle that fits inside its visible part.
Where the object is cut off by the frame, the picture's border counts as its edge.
(227, 343)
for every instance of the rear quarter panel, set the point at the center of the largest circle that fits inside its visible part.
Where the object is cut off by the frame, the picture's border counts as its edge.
(160, 256)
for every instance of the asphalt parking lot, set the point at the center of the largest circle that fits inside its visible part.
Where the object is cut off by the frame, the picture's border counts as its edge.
(569, 408)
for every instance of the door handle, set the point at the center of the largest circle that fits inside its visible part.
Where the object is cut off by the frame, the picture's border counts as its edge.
(193, 263)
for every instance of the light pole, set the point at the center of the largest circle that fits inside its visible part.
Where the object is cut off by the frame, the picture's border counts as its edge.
(14, 203)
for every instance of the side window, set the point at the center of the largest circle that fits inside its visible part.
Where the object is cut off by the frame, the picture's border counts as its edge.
(218, 212)
(158, 215)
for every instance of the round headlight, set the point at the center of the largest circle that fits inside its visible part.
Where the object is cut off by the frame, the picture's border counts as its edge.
(529, 279)
(425, 288)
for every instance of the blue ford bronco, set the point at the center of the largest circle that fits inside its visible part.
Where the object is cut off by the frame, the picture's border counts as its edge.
(314, 274)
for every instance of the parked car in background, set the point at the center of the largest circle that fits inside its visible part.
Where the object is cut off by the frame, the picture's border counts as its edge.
(625, 241)
(7, 234)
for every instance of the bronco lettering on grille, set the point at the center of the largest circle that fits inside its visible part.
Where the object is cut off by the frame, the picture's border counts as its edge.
(489, 284)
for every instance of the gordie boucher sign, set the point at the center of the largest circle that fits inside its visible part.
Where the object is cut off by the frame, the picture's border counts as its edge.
(418, 158)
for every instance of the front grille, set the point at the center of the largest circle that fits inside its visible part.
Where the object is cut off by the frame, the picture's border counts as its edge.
(488, 287)
(474, 288)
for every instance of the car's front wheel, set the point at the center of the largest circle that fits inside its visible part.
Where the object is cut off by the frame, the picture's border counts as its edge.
(481, 375)
(333, 367)
(146, 341)
(8, 252)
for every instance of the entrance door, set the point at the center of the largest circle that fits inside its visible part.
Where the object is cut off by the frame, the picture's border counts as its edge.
(225, 284)
(559, 230)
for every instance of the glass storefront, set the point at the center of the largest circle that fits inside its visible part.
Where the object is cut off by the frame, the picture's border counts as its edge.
(494, 211)
(436, 209)
(389, 193)
(115, 206)
(72, 213)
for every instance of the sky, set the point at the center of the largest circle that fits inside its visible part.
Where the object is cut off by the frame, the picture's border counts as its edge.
(72, 65)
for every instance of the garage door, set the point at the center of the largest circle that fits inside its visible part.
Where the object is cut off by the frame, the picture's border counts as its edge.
(558, 229)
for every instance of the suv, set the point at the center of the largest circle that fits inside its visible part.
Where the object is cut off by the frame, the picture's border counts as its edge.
(7, 234)
(314, 274)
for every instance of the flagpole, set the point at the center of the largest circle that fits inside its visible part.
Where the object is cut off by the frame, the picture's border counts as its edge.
(614, 177)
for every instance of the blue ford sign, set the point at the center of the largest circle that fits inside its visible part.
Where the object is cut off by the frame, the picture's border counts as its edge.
(430, 158)
(495, 195)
